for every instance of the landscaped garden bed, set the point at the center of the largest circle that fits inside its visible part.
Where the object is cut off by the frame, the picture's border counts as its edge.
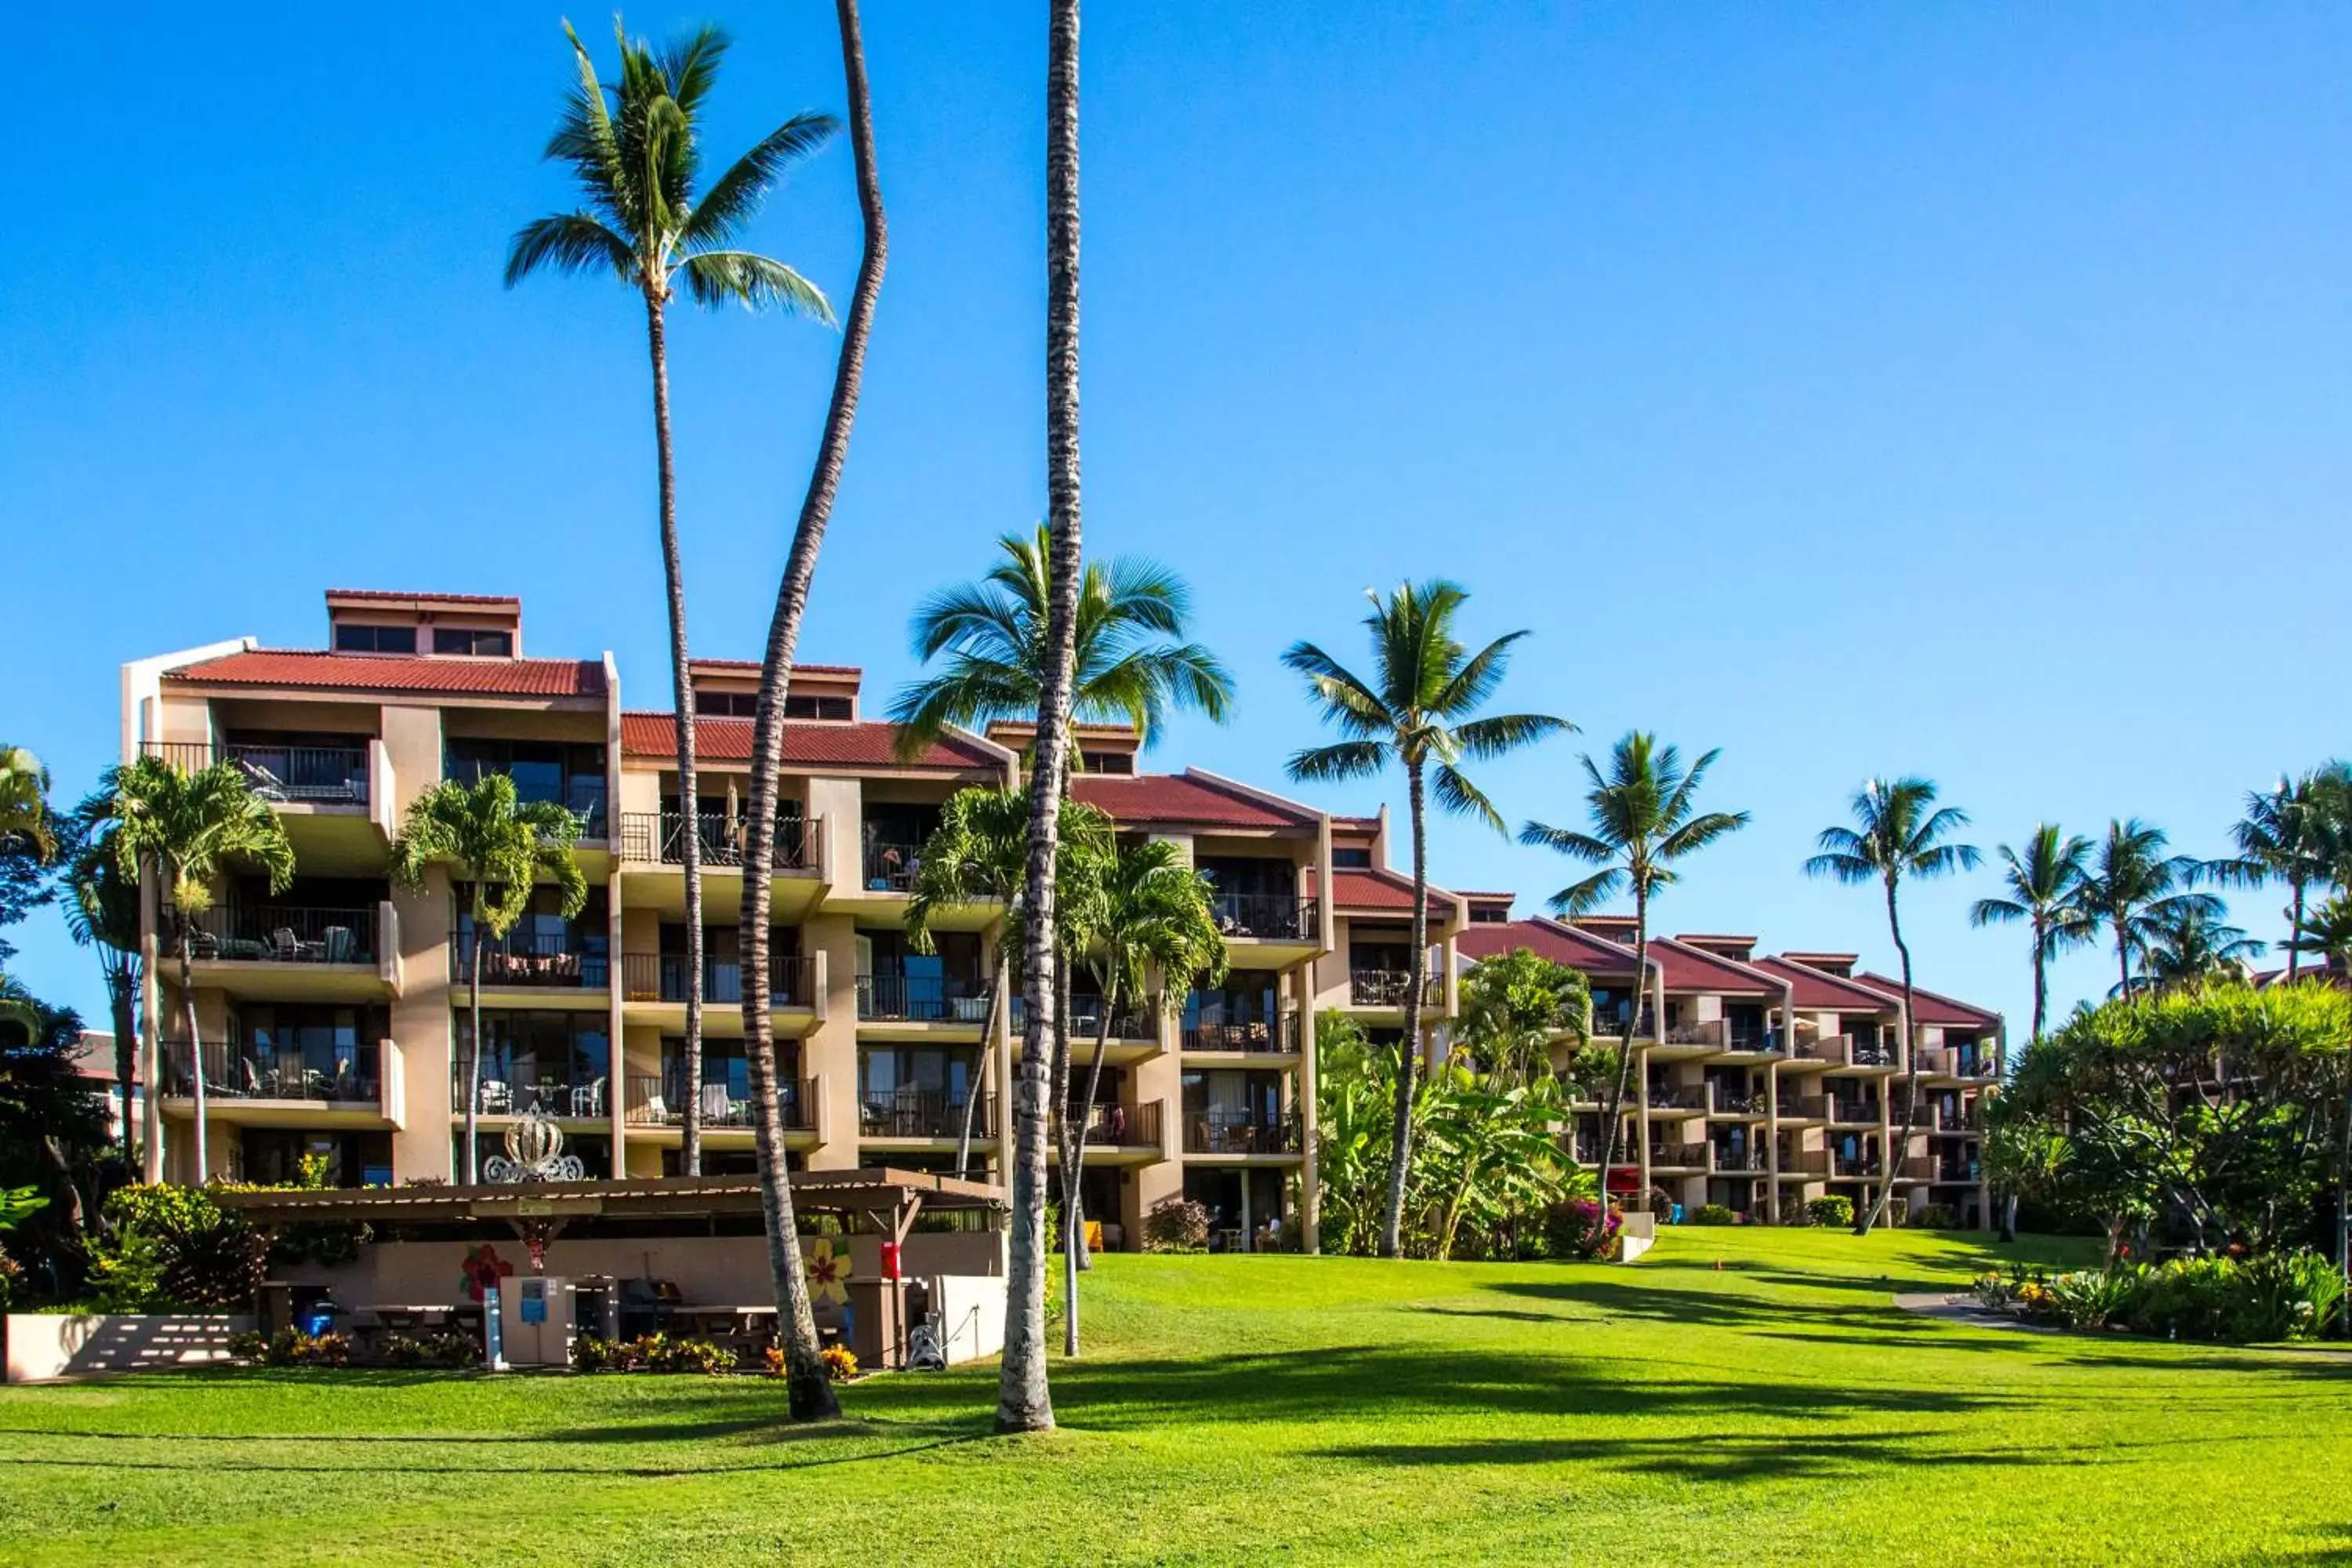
(2265, 1299)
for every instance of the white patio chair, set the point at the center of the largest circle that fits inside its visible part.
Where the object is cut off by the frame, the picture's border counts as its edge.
(588, 1099)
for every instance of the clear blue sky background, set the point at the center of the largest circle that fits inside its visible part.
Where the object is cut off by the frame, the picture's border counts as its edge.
(1959, 390)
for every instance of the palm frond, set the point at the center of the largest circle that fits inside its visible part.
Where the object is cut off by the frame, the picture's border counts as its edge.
(1580, 845)
(571, 243)
(1582, 897)
(1455, 794)
(1486, 739)
(734, 197)
(1337, 762)
(715, 277)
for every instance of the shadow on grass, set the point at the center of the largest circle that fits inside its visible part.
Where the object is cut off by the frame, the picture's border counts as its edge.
(214, 1464)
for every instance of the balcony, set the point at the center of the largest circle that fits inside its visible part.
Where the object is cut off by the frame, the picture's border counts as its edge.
(1277, 1036)
(1680, 1156)
(1855, 1165)
(1728, 1162)
(1721, 1101)
(660, 1101)
(285, 933)
(919, 999)
(1240, 1132)
(1805, 1163)
(519, 961)
(1854, 1113)
(1958, 1119)
(1086, 1020)
(652, 837)
(1390, 988)
(1855, 1050)
(1120, 1127)
(517, 1088)
(1959, 1061)
(244, 1073)
(1267, 917)
(1805, 1107)
(915, 1113)
(1678, 1097)
(283, 775)
(889, 867)
(662, 977)
(1959, 1172)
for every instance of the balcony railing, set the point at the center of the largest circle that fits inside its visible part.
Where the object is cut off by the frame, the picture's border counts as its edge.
(1277, 1036)
(515, 1088)
(919, 999)
(1085, 1019)
(1678, 1156)
(1805, 1163)
(1240, 1132)
(1855, 1165)
(1390, 988)
(303, 775)
(243, 1072)
(1267, 917)
(921, 1113)
(532, 959)
(659, 1100)
(1722, 1101)
(1862, 1052)
(662, 977)
(1958, 1119)
(1969, 1061)
(1611, 1025)
(1122, 1126)
(1728, 1162)
(1854, 1113)
(659, 839)
(1805, 1107)
(889, 867)
(1956, 1171)
(1680, 1097)
(286, 933)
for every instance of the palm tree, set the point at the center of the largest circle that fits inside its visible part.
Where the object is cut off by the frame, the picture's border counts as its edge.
(1415, 713)
(1898, 831)
(504, 845)
(634, 149)
(102, 912)
(1645, 817)
(2133, 888)
(1152, 914)
(2327, 932)
(2190, 947)
(2043, 887)
(25, 800)
(1513, 1006)
(808, 1390)
(1130, 662)
(1023, 1402)
(2293, 833)
(185, 829)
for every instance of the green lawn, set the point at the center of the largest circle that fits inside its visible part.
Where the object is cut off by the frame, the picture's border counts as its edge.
(1739, 1396)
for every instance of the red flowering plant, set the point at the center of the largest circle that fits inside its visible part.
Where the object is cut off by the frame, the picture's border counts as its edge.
(484, 1268)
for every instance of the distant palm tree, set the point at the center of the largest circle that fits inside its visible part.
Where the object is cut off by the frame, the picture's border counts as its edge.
(1644, 817)
(1512, 1007)
(2298, 833)
(1130, 663)
(634, 149)
(1898, 831)
(2327, 932)
(102, 912)
(187, 829)
(808, 1391)
(25, 800)
(2190, 947)
(1415, 713)
(504, 847)
(2134, 890)
(1152, 914)
(2043, 888)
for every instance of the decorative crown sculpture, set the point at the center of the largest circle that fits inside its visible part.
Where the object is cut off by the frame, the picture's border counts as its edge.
(534, 1153)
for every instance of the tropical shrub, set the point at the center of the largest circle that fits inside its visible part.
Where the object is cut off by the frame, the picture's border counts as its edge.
(2088, 1298)
(443, 1348)
(840, 1363)
(2273, 1296)
(1570, 1232)
(594, 1352)
(1176, 1225)
(168, 1249)
(291, 1347)
(1832, 1210)
(1929, 1216)
(1715, 1214)
(1993, 1292)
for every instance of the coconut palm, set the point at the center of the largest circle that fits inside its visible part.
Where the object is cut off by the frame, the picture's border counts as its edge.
(1130, 662)
(185, 829)
(2191, 946)
(2041, 886)
(25, 800)
(808, 1391)
(504, 847)
(1898, 831)
(2294, 833)
(634, 149)
(1415, 713)
(1514, 1005)
(1151, 913)
(1644, 817)
(2327, 932)
(101, 912)
(2134, 890)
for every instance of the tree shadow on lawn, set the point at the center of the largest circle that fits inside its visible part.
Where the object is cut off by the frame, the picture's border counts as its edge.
(214, 1463)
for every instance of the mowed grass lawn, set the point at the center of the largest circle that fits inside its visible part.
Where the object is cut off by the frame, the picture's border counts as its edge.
(1739, 1396)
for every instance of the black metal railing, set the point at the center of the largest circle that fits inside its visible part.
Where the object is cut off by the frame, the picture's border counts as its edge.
(245, 1072)
(1722, 1101)
(532, 959)
(1854, 1110)
(1390, 988)
(1276, 1036)
(1683, 1097)
(1733, 1162)
(1240, 1132)
(660, 1100)
(1805, 1163)
(1121, 1126)
(1958, 1119)
(285, 933)
(1864, 1053)
(920, 999)
(1969, 1170)
(1679, 1155)
(662, 977)
(1805, 1107)
(1855, 1165)
(889, 867)
(921, 1113)
(308, 776)
(512, 1087)
(1267, 917)
(1085, 1019)
(659, 838)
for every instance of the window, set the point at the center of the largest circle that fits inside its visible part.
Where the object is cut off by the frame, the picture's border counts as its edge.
(571, 777)
(1490, 914)
(484, 643)
(815, 708)
(1352, 859)
(351, 638)
(725, 704)
(1106, 761)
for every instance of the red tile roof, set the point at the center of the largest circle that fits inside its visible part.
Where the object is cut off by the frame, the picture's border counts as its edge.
(1686, 968)
(2333, 972)
(1356, 887)
(1190, 798)
(1547, 939)
(754, 665)
(1822, 993)
(864, 745)
(395, 596)
(1929, 1006)
(392, 672)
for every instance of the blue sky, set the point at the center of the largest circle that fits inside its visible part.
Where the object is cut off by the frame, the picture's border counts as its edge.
(1953, 390)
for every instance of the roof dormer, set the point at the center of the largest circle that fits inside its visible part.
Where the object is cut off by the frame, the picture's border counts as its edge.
(443, 626)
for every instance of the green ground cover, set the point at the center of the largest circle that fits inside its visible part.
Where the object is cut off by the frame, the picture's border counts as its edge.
(1739, 1396)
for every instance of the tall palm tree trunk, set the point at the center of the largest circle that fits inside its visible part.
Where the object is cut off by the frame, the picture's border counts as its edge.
(1075, 1203)
(690, 1160)
(1409, 1053)
(2041, 975)
(809, 1392)
(474, 1053)
(123, 1007)
(2123, 955)
(2295, 954)
(979, 1090)
(1023, 1402)
(196, 1045)
(1613, 1120)
(1898, 1139)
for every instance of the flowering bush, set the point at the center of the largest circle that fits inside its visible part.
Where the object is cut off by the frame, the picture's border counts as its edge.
(1571, 1231)
(1176, 1225)
(291, 1347)
(840, 1364)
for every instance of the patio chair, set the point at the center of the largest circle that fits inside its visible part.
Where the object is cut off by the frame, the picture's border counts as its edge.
(284, 946)
(252, 1080)
(588, 1099)
(714, 1102)
(339, 948)
(497, 1097)
(262, 782)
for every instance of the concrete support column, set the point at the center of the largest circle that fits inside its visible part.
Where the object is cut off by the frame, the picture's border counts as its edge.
(1310, 1180)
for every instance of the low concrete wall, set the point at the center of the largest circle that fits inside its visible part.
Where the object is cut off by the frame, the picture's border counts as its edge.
(971, 1315)
(46, 1345)
(1637, 1236)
